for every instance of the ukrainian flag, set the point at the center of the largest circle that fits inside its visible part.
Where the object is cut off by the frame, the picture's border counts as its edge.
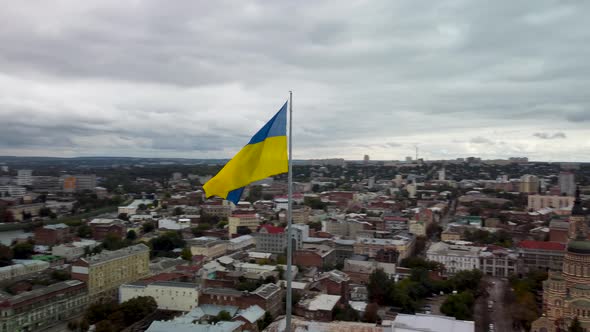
(265, 155)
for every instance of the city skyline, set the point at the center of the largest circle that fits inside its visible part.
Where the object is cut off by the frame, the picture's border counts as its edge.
(194, 80)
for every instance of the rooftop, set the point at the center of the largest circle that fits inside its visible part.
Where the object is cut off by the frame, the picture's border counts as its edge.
(266, 290)
(321, 302)
(541, 245)
(106, 255)
(431, 323)
(56, 226)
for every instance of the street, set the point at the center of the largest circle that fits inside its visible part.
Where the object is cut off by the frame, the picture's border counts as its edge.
(499, 315)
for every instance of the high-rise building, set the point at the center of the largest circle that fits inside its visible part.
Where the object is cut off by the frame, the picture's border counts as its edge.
(24, 177)
(529, 184)
(80, 182)
(567, 183)
(566, 293)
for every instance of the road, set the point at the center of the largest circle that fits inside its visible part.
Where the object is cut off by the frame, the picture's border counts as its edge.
(500, 316)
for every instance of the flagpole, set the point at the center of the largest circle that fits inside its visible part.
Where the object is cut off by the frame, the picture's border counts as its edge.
(289, 217)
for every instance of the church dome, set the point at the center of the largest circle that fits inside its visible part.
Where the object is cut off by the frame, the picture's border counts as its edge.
(579, 247)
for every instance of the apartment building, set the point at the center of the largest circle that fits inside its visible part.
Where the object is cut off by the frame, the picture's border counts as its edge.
(169, 295)
(105, 272)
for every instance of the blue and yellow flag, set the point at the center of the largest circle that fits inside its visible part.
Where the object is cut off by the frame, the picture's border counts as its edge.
(265, 155)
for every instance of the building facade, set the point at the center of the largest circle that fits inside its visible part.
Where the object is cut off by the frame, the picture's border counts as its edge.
(566, 293)
(455, 258)
(237, 224)
(274, 239)
(538, 202)
(105, 272)
(169, 295)
(50, 235)
(539, 255)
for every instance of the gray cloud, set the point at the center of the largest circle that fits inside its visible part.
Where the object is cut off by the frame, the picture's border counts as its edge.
(557, 135)
(194, 79)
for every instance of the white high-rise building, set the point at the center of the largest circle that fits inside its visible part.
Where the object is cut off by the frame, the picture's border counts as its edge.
(24, 177)
(567, 183)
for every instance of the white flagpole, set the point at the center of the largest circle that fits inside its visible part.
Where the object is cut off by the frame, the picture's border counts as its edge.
(289, 215)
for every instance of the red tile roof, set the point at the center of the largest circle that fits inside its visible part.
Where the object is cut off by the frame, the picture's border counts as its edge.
(528, 244)
(270, 229)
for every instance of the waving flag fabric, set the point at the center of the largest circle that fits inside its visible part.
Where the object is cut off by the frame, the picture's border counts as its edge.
(265, 155)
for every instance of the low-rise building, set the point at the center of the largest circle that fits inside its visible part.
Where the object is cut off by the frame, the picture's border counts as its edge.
(41, 308)
(359, 271)
(431, 323)
(241, 243)
(455, 258)
(314, 255)
(22, 267)
(169, 295)
(318, 308)
(50, 235)
(499, 262)
(134, 206)
(74, 250)
(404, 244)
(334, 282)
(268, 296)
(239, 224)
(209, 247)
(539, 255)
(274, 239)
(538, 202)
(173, 225)
(101, 227)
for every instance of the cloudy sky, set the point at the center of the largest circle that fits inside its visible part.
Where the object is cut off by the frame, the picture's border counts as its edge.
(196, 79)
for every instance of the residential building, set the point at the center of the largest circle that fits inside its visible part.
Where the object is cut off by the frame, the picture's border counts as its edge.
(529, 184)
(241, 243)
(300, 324)
(318, 308)
(566, 182)
(346, 228)
(105, 272)
(220, 208)
(430, 323)
(403, 244)
(210, 247)
(174, 225)
(334, 282)
(540, 255)
(12, 191)
(359, 271)
(133, 206)
(268, 296)
(169, 295)
(50, 235)
(78, 182)
(455, 258)
(538, 202)
(20, 211)
(24, 177)
(42, 308)
(499, 262)
(314, 255)
(101, 227)
(450, 234)
(241, 224)
(273, 239)
(74, 250)
(566, 293)
(22, 267)
(184, 325)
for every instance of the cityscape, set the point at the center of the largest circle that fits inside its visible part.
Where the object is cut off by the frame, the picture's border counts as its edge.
(294, 166)
(413, 245)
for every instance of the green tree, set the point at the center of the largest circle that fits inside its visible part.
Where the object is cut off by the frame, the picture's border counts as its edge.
(575, 326)
(114, 242)
(224, 316)
(345, 313)
(137, 308)
(178, 211)
(377, 286)
(105, 326)
(23, 250)
(84, 231)
(186, 254)
(148, 227)
(45, 212)
(61, 275)
(131, 235)
(164, 244)
(370, 315)
(459, 306)
(265, 322)
(5, 255)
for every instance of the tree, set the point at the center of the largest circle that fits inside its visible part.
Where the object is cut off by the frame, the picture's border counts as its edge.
(148, 227)
(266, 321)
(84, 231)
(166, 243)
(224, 316)
(459, 306)
(123, 216)
(186, 254)
(105, 326)
(575, 326)
(370, 315)
(141, 207)
(178, 211)
(131, 235)
(45, 212)
(23, 250)
(61, 275)
(376, 286)
(137, 308)
(5, 255)
(114, 242)
(345, 313)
